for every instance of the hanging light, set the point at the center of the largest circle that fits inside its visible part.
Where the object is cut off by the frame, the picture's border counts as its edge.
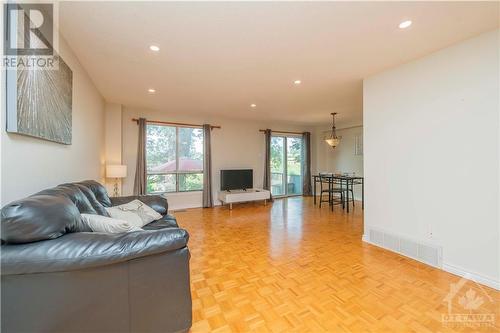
(332, 139)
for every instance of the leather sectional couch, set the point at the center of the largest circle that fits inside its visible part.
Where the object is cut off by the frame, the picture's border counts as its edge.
(58, 276)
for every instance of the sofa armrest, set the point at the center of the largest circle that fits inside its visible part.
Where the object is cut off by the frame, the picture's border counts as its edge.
(83, 250)
(157, 202)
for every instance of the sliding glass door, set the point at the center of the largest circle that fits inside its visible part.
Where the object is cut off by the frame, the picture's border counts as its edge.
(277, 165)
(286, 165)
(294, 165)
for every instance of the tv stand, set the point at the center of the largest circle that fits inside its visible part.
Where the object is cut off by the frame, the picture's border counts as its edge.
(229, 191)
(234, 196)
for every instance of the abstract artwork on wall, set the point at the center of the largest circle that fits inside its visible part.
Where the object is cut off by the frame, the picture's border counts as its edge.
(39, 102)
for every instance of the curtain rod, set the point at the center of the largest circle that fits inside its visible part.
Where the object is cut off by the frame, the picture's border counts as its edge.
(172, 123)
(282, 132)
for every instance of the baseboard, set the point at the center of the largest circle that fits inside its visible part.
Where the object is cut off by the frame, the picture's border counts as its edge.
(177, 206)
(479, 278)
(453, 269)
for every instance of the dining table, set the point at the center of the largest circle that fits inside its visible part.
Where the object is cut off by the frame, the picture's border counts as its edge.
(345, 181)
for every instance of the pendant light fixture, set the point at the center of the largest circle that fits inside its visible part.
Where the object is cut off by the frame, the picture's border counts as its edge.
(332, 139)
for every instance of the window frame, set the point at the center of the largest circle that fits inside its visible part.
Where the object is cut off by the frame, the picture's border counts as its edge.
(177, 172)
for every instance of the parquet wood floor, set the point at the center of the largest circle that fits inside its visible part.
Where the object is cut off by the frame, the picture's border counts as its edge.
(293, 267)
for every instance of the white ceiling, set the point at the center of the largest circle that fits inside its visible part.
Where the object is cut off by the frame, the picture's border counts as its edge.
(217, 58)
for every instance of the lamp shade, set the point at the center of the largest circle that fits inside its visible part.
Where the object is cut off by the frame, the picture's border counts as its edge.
(332, 139)
(116, 171)
(334, 142)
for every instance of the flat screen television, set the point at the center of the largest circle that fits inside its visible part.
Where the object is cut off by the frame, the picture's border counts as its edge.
(241, 179)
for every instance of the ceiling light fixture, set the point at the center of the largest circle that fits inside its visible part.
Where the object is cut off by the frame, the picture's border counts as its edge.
(405, 24)
(151, 90)
(297, 82)
(253, 105)
(332, 139)
(154, 48)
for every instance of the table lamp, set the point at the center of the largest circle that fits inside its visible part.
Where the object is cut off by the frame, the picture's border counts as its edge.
(116, 171)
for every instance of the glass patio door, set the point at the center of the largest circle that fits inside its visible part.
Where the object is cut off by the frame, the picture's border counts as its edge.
(277, 165)
(286, 165)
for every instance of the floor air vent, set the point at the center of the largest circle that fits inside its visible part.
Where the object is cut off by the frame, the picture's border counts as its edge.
(426, 253)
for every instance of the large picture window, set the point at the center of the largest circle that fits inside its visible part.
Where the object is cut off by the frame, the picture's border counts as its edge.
(174, 159)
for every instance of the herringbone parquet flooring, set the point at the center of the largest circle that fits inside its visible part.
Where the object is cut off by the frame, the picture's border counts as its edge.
(292, 267)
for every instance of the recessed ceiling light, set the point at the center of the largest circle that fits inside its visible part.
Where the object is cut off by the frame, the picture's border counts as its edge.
(253, 105)
(154, 48)
(405, 24)
(151, 90)
(297, 82)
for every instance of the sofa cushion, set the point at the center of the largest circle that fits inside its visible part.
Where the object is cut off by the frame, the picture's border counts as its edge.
(40, 217)
(108, 225)
(135, 212)
(98, 207)
(157, 202)
(167, 221)
(99, 191)
(72, 192)
(81, 250)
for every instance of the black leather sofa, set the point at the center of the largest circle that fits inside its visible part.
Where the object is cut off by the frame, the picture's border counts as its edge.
(58, 276)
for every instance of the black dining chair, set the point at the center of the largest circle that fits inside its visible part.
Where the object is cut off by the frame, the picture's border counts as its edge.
(348, 187)
(350, 184)
(326, 184)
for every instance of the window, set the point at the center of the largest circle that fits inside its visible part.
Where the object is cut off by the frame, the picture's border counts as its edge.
(174, 159)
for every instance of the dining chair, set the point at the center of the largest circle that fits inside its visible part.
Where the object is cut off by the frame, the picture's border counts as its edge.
(327, 186)
(351, 190)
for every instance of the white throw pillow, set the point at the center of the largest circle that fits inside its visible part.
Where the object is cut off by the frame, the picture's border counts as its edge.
(136, 212)
(99, 223)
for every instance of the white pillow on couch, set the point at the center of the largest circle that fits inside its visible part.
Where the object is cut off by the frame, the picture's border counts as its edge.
(99, 223)
(136, 212)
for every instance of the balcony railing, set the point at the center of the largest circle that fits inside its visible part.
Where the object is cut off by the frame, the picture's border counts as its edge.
(293, 183)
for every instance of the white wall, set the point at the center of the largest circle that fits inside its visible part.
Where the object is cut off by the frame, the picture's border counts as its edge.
(342, 158)
(238, 144)
(30, 165)
(432, 154)
(113, 141)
